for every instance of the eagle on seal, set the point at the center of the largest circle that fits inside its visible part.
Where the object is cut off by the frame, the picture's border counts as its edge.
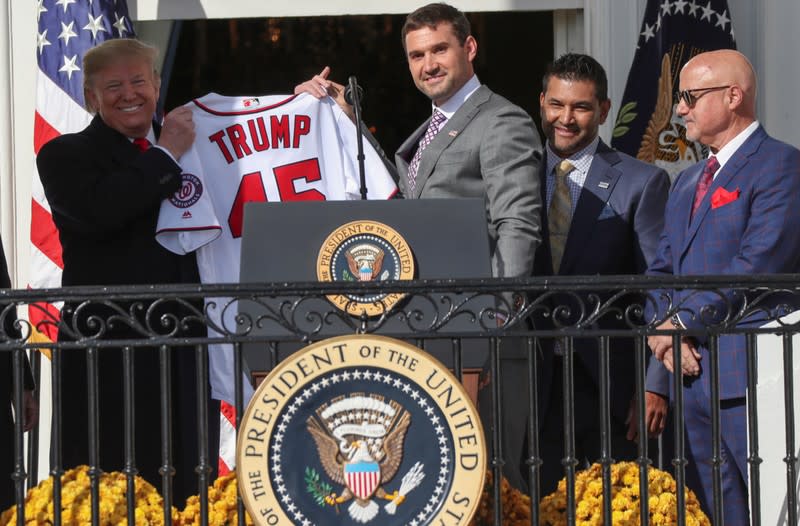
(362, 457)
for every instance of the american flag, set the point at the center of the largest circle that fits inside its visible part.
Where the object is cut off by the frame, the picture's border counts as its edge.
(66, 30)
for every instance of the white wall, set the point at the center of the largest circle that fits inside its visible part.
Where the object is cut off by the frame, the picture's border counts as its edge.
(192, 9)
(777, 64)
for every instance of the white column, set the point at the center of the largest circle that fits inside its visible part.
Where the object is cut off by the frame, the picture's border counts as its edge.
(776, 63)
(18, 74)
(6, 134)
(611, 29)
(568, 33)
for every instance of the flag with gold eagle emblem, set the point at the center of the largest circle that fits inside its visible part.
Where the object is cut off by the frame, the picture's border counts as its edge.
(673, 31)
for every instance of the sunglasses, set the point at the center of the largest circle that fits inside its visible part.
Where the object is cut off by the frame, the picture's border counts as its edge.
(688, 95)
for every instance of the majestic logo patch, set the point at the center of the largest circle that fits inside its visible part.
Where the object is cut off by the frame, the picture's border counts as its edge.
(358, 430)
(365, 251)
(189, 193)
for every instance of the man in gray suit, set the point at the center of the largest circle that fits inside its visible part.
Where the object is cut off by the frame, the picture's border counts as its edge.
(476, 143)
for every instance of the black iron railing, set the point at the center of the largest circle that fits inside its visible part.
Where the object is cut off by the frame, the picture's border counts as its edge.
(464, 323)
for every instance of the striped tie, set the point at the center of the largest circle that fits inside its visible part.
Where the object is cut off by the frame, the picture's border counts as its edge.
(433, 128)
(560, 213)
(706, 178)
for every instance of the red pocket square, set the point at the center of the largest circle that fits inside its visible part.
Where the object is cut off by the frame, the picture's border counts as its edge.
(722, 197)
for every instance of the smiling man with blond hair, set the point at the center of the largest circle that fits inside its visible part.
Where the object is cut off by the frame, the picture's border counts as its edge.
(104, 185)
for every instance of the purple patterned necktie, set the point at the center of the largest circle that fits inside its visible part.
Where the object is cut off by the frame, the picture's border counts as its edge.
(433, 128)
(712, 165)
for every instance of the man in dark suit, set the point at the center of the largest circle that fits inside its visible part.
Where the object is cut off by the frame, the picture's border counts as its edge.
(734, 213)
(476, 143)
(603, 215)
(104, 186)
(30, 409)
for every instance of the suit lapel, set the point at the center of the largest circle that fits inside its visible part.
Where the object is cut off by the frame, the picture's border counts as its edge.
(455, 125)
(543, 257)
(120, 149)
(728, 173)
(119, 146)
(597, 188)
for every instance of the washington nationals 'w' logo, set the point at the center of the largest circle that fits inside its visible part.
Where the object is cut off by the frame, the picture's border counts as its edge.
(189, 193)
(360, 444)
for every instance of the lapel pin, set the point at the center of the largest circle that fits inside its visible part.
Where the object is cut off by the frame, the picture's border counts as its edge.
(603, 184)
(452, 133)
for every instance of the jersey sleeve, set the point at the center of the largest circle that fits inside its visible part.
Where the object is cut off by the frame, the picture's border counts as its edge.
(187, 220)
(380, 184)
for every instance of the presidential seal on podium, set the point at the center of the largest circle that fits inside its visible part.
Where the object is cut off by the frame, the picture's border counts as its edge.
(361, 429)
(365, 251)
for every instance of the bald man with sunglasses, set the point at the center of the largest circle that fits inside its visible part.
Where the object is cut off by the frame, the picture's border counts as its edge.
(734, 213)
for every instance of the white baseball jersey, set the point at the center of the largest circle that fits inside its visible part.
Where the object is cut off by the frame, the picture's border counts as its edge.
(266, 148)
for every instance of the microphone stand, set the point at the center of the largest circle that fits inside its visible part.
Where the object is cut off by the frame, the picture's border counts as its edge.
(352, 95)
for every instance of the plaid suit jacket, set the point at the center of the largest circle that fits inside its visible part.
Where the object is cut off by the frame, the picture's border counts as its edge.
(754, 229)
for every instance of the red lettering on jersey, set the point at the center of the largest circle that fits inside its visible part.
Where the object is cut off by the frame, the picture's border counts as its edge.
(251, 189)
(280, 130)
(238, 140)
(287, 174)
(302, 126)
(217, 138)
(258, 137)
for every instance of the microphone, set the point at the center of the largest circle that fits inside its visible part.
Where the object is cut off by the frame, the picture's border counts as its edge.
(352, 95)
(351, 88)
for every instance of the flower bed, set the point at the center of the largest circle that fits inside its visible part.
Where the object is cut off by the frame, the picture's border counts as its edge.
(76, 501)
(516, 505)
(222, 498)
(662, 499)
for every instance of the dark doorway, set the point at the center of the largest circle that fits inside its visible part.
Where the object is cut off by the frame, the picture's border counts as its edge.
(256, 56)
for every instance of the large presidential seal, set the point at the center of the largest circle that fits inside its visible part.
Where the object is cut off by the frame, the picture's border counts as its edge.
(357, 430)
(365, 251)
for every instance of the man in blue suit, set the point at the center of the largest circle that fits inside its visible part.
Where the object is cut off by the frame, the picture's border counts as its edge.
(603, 214)
(734, 213)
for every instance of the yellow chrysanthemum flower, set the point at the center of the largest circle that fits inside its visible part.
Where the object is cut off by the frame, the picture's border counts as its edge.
(76, 501)
(222, 499)
(662, 501)
(516, 505)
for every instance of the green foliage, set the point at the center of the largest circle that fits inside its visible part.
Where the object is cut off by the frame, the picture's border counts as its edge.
(318, 489)
(625, 116)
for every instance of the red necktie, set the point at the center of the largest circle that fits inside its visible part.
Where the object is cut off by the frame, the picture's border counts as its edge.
(142, 143)
(706, 178)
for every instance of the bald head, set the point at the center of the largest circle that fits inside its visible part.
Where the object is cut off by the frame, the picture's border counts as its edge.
(722, 97)
(727, 67)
